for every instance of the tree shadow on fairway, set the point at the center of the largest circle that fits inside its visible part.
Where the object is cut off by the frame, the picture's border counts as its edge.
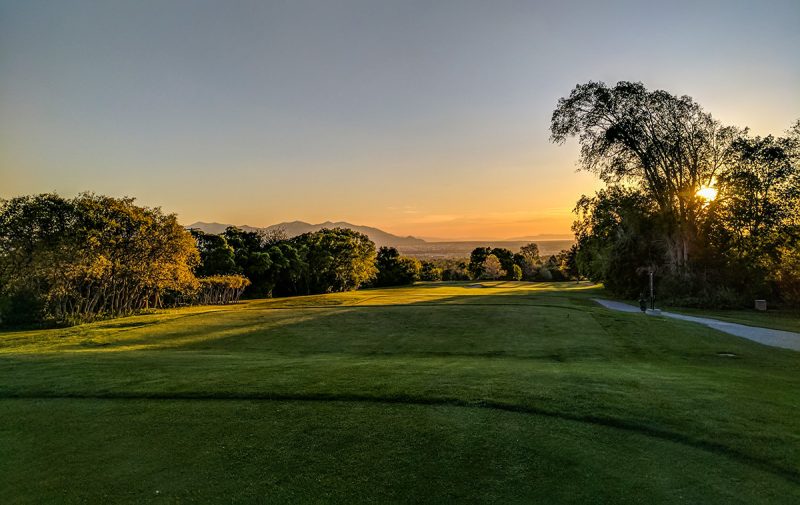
(298, 451)
(503, 349)
(507, 323)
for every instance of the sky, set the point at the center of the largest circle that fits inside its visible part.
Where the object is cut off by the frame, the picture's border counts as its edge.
(418, 117)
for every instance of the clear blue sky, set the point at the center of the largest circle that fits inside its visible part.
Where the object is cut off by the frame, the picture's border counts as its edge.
(425, 118)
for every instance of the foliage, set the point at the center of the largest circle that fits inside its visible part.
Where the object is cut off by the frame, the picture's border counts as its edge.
(216, 255)
(72, 260)
(476, 261)
(395, 270)
(787, 275)
(529, 261)
(319, 262)
(337, 259)
(567, 263)
(286, 272)
(506, 258)
(452, 269)
(492, 268)
(618, 239)
(221, 289)
(430, 272)
(655, 151)
(664, 145)
(527, 264)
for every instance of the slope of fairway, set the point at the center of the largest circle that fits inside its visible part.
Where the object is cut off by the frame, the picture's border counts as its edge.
(491, 392)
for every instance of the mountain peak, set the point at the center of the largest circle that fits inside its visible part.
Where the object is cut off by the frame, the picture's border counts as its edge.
(294, 228)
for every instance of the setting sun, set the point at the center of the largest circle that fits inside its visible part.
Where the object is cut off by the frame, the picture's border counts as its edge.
(707, 193)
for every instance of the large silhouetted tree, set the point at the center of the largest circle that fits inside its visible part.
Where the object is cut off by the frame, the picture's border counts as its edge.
(656, 151)
(664, 144)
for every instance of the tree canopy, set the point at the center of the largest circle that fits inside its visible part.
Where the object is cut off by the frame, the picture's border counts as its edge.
(75, 259)
(394, 269)
(336, 259)
(664, 145)
(712, 209)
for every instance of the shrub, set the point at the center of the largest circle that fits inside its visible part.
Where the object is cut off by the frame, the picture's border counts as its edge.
(221, 289)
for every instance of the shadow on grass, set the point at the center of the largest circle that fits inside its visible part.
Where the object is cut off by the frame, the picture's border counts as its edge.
(533, 325)
(609, 422)
(558, 326)
(261, 319)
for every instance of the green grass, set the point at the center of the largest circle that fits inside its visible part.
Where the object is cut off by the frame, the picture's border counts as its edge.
(512, 392)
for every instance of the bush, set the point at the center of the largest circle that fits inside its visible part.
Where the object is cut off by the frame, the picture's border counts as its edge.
(21, 307)
(221, 289)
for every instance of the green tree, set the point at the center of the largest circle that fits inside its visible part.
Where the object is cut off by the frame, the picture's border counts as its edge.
(394, 269)
(759, 197)
(286, 275)
(528, 260)
(516, 273)
(506, 258)
(430, 272)
(216, 255)
(787, 276)
(453, 269)
(492, 268)
(73, 260)
(476, 261)
(618, 233)
(337, 259)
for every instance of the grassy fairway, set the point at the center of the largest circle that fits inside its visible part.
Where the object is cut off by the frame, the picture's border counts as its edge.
(511, 392)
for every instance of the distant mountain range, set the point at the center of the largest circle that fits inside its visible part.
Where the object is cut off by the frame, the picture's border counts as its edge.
(527, 238)
(294, 228)
(543, 236)
(407, 245)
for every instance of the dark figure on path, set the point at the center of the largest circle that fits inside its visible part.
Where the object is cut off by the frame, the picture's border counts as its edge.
(642, 302)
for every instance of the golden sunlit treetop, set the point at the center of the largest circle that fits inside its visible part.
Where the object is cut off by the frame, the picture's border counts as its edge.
(707, 193)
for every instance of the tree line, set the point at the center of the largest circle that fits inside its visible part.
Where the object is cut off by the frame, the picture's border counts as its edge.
(342, 259)
(712, 210)
(75, 260)
(526, 265)
(325, 261)
(484, 263)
